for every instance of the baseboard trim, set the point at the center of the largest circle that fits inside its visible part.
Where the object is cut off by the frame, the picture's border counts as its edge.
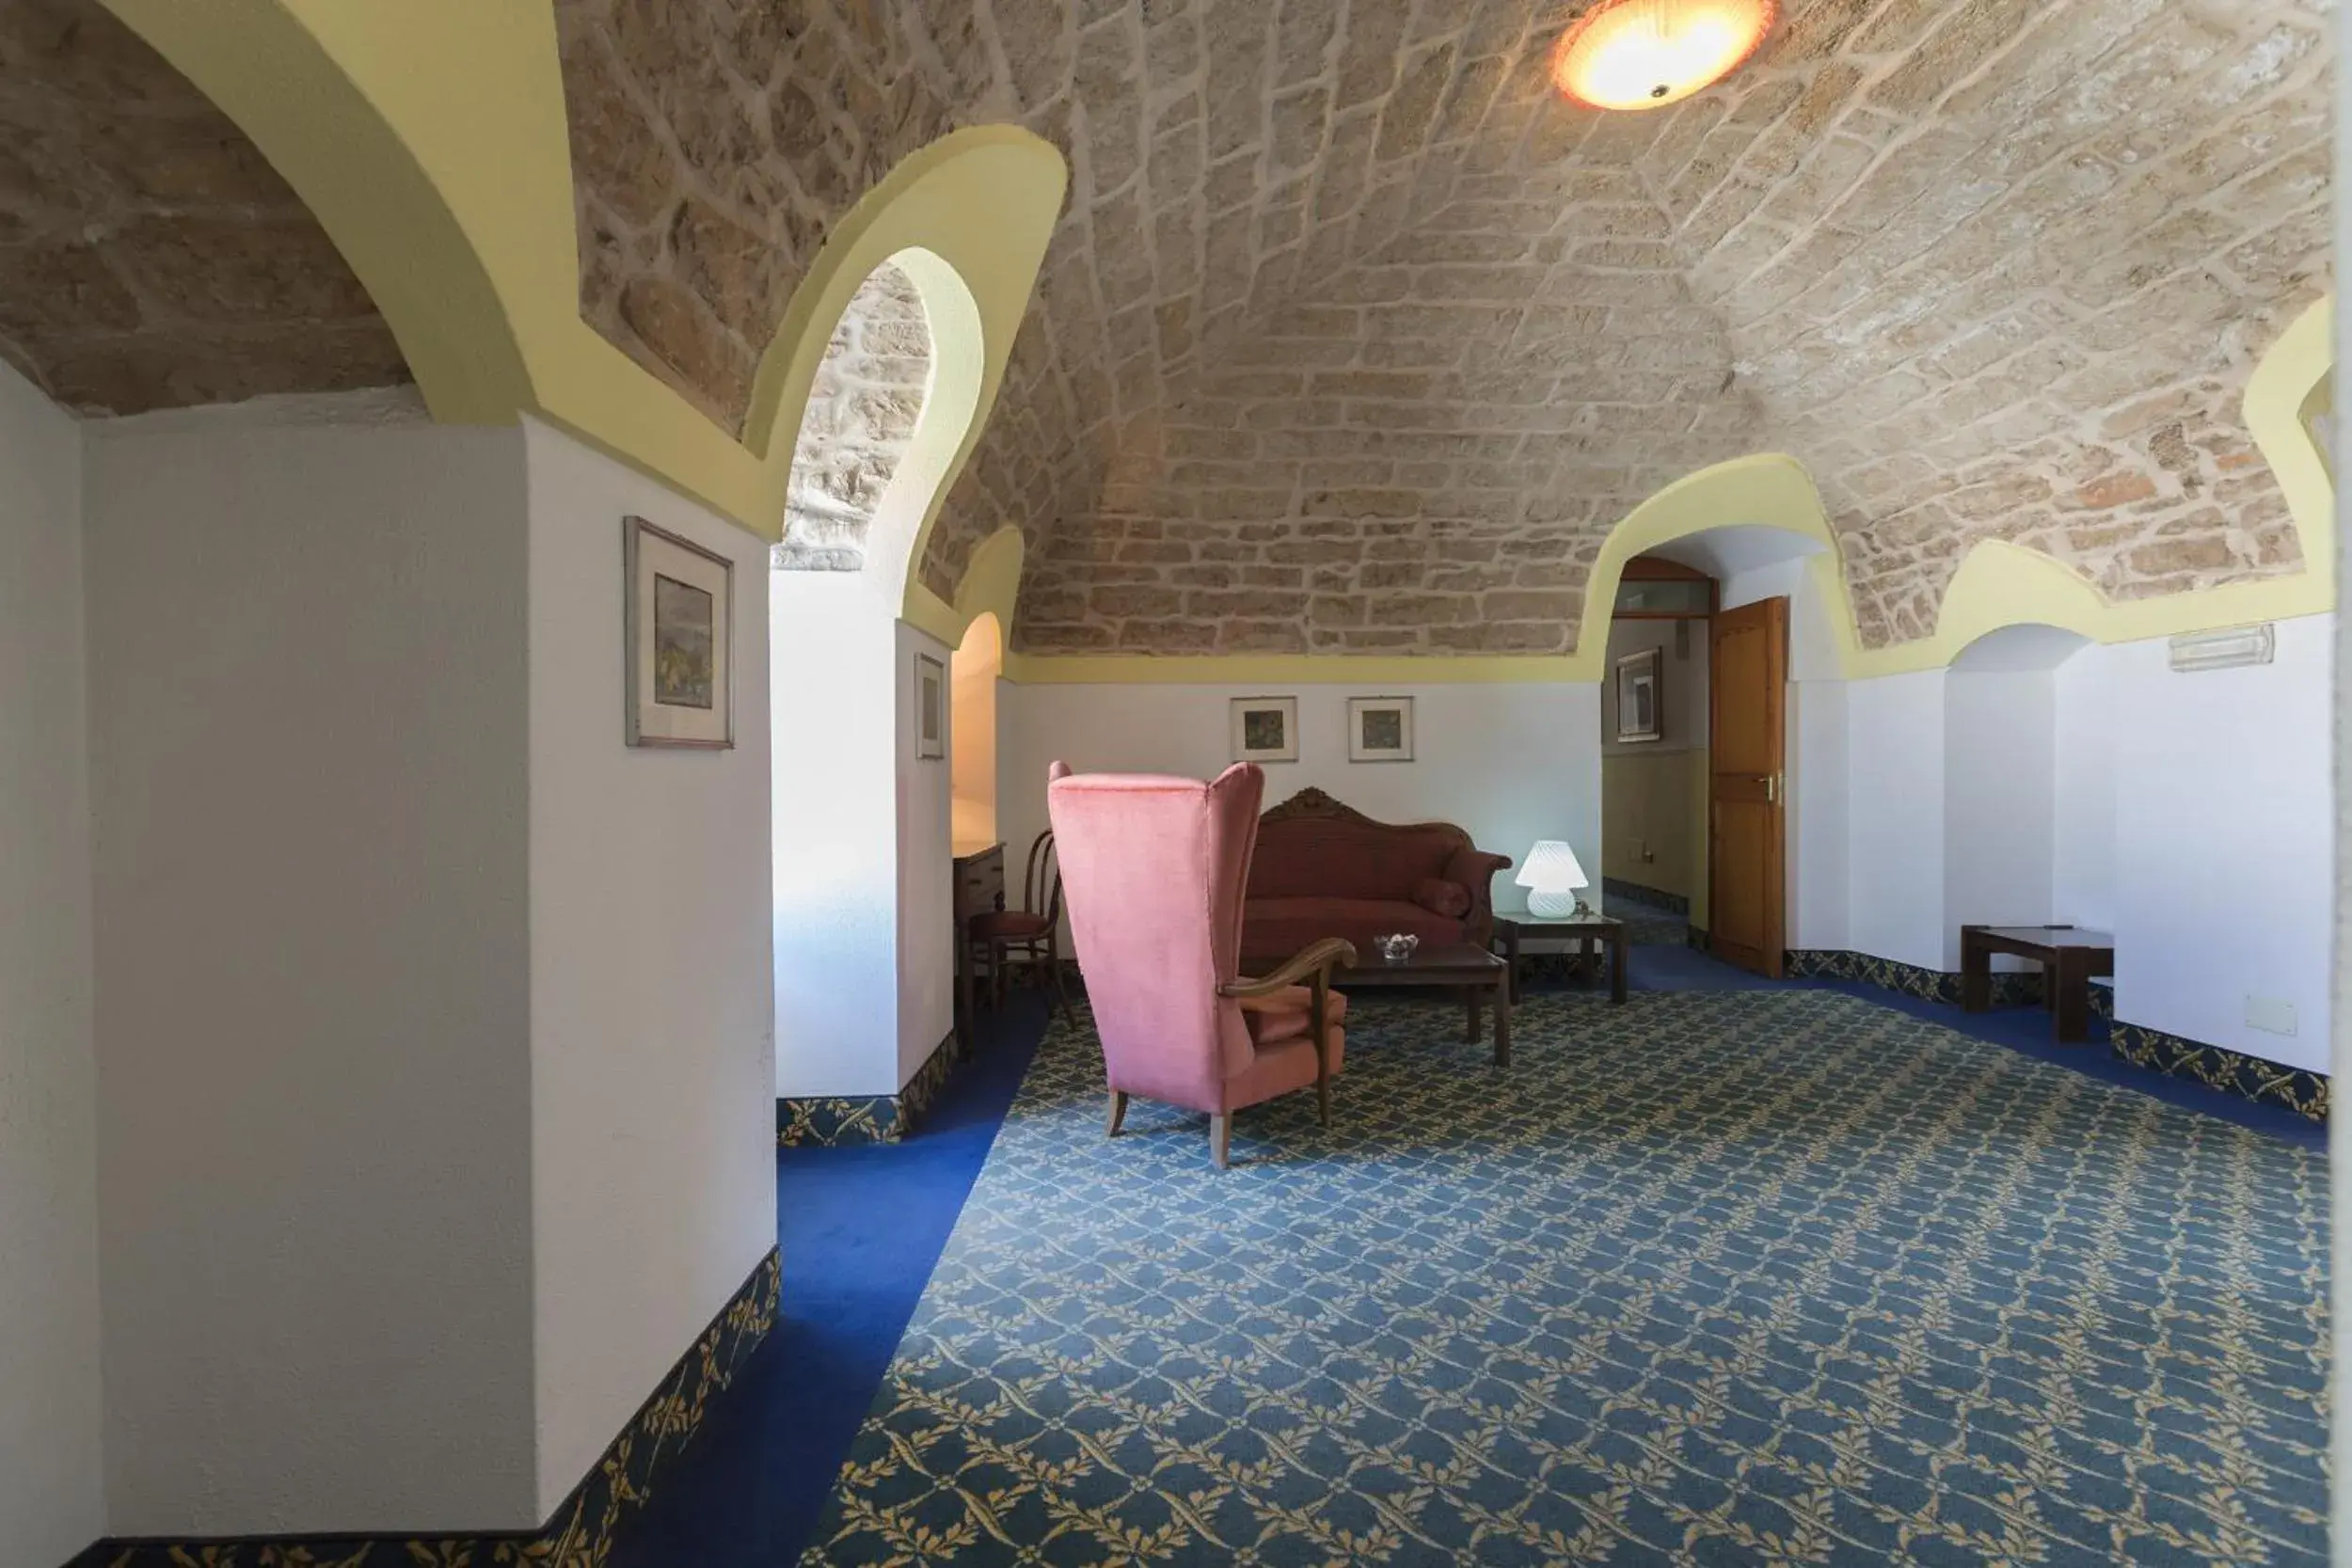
(2216, 1066)
(1617, 887)
(2010, 988)
(582, 1528)
(840, 1120)
(2219, 1068)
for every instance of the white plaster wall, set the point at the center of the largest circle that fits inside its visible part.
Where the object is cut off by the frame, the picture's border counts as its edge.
(310, 759)
(1812, 646)
(653, 1130)
(2224, 840)
(1511, 764)
(2000, 775)
(2082, 853)
(51, 1474)
(835, 703)
(1895, 794)
(1819, 882)
(925, 941)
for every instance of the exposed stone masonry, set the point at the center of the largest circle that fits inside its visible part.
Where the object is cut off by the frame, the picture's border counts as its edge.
(862, 414)
(1355, 336)
(149, 256)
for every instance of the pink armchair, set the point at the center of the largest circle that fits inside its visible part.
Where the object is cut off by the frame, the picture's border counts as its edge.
(1152, 869)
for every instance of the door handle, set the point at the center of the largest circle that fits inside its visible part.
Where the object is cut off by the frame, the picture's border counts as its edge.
(1771, 789)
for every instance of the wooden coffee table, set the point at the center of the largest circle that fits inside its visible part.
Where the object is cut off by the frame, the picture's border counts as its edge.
(2068, 956)
(1477, 974)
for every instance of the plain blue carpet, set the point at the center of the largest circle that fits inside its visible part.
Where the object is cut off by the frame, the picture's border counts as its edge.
(860, 1229)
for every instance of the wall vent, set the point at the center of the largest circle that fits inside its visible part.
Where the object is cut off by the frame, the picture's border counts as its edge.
(2225, 650)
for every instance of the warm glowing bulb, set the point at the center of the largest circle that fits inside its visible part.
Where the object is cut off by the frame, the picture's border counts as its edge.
(1644, 53)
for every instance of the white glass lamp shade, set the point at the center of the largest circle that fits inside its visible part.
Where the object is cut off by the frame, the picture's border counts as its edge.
(1551, 874)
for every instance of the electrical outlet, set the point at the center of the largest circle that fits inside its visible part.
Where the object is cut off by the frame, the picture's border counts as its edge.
(2273, 1015)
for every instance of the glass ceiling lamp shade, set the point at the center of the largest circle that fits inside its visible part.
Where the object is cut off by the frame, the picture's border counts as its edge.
(1552, 877)
(1646, 53)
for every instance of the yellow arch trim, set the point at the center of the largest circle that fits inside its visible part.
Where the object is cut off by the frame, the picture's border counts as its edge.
(1997, 583)
(415, 134)
(430, 139)
(990, 586)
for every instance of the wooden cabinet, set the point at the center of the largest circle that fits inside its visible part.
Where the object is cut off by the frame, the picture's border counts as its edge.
(980, 882)
(980, 887)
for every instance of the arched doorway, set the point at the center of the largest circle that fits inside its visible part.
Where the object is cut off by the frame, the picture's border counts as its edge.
(973, 673)
(860, 703)
(1698, 738)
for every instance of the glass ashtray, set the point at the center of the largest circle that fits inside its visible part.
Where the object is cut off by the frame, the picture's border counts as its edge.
(1397, 948)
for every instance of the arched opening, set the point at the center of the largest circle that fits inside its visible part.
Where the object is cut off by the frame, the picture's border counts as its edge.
(1696, 717)
(864, 720)
(2028, 822)
(973, 673)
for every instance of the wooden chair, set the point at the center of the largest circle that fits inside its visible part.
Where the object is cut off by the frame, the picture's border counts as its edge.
(1032, 932)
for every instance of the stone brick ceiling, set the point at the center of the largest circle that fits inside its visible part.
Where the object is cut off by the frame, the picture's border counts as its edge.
(861, 413)
(150, 258)
(1355, 335)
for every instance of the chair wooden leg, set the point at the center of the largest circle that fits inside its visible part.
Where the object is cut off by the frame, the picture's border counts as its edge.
(1221, 1139)
(1119, 1113)
(1322, 1101)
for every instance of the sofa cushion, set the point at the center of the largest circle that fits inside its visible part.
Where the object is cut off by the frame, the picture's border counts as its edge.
(1439, 897)
(1277, 927)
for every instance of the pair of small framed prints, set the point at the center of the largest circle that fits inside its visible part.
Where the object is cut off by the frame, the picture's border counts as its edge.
(679, 620)
(1379, 729)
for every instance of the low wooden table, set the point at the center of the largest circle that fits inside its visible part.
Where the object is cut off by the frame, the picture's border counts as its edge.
(1516, 930)
(2068, 956)
(1473, 970)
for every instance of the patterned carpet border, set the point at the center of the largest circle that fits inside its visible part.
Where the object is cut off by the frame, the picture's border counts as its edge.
(2010, 988)
(580, 1534)
(1709, 1277)
(2216, 1066)
(1673, 903)
(835, 1121)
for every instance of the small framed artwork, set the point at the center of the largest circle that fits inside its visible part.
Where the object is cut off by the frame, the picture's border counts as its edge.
(1640, 710)
(930, 707)
(678, 619)
(1265, 729)
(1380, 729)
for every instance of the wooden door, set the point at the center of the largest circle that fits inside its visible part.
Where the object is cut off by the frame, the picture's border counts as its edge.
(1747, 793)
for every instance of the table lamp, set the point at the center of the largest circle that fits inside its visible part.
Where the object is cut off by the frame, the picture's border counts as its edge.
(1552, 877)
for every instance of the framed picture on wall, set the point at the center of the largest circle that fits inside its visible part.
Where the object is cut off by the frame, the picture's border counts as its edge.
(1380, 729)
(679, 626)
(931, 706)
(1265, 729)
(1641, 714)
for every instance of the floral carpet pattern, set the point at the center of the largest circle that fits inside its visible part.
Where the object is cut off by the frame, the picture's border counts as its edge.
(1785, 1278)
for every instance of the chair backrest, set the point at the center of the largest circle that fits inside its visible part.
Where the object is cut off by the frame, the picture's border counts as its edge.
(1154, 869)
(1040, 880)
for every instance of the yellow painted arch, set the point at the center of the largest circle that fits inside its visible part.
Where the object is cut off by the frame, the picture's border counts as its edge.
(1997, 583)
(430, 140)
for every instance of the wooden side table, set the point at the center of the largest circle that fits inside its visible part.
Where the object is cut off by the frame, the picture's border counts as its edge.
(1516, 930)
(2068, 956)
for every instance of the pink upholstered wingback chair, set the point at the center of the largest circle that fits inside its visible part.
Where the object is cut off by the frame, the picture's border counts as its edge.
(1153, 869)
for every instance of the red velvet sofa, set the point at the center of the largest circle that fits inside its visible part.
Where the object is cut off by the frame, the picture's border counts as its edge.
(1321, 869)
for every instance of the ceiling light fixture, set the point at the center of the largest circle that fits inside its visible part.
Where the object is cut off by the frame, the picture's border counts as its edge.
(1646, 53)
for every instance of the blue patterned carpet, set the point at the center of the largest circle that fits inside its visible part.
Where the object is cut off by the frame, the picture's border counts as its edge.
(1783, 1278)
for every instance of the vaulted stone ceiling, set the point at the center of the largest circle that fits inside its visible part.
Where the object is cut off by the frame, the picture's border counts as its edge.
(149, 256)
(1355, 335)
